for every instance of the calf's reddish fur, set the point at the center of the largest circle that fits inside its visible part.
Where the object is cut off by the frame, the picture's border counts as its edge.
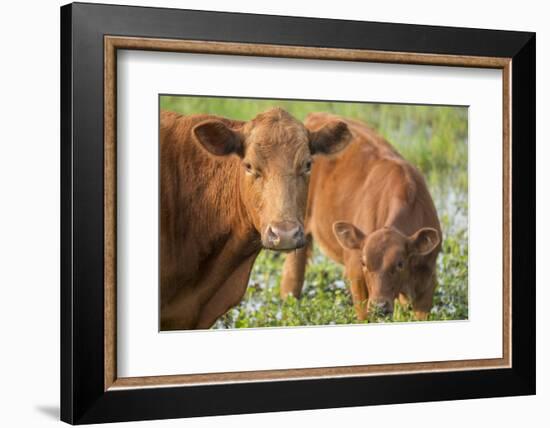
(370, 210)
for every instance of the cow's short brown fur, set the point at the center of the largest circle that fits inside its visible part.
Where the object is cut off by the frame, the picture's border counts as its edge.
(370, 210)
(224, 183)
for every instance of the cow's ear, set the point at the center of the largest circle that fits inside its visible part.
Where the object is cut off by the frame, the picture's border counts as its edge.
(424, 241)
(330, 138)
(220, 140)
(348, 236)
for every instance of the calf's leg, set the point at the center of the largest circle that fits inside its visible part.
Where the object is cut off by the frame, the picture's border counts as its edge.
(360, 298)
(294, 271)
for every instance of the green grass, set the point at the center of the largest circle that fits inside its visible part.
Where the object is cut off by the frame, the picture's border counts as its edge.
(431, 137)
(434, 138)
(326, 299)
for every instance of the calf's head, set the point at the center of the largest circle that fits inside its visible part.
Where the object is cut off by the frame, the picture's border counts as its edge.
(276, 153)
(385, 257)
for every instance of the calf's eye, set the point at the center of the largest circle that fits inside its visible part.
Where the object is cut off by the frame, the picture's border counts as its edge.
(307, 167)
(400, 265)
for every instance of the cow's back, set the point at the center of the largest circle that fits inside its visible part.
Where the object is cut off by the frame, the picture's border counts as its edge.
(369, 184)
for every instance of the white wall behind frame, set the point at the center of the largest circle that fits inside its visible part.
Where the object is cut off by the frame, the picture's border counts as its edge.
(30, 90)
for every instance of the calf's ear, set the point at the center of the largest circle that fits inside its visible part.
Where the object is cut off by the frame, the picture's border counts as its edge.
(424, 241)
(348, 236)
(330, 138)
(217, 138)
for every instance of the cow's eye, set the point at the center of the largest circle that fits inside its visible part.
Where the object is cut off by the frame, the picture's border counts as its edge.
(400, 265)
(249, 169)
(307, 167)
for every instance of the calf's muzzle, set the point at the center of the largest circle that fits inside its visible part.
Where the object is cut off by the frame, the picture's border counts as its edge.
(381, 308)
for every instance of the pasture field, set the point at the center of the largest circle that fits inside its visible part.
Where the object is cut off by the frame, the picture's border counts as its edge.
(433, 138)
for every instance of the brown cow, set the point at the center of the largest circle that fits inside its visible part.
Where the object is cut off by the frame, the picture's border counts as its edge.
(227, 189)
(370, 210)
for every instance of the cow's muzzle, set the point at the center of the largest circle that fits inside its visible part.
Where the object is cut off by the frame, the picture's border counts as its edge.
(285, 235)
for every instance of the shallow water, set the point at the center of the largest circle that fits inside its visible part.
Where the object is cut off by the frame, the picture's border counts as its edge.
(451, 202)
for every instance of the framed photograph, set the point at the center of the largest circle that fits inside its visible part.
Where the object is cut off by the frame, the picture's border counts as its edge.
(265, 213)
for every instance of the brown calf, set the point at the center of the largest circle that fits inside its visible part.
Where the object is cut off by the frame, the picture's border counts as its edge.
(227, 189)
(370, 210)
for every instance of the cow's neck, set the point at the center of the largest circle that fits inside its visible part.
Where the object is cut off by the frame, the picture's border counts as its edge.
(241, 242)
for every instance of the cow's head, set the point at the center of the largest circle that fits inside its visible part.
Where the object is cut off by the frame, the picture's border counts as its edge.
(276, 153)
(385, 257)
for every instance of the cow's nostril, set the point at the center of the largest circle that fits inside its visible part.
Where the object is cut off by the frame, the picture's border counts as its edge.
(272, 236)
(299, 234)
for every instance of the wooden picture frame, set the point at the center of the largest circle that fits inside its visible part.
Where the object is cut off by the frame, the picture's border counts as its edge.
(91, 391)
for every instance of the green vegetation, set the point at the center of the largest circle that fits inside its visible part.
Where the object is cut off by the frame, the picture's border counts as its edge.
(434, 138)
